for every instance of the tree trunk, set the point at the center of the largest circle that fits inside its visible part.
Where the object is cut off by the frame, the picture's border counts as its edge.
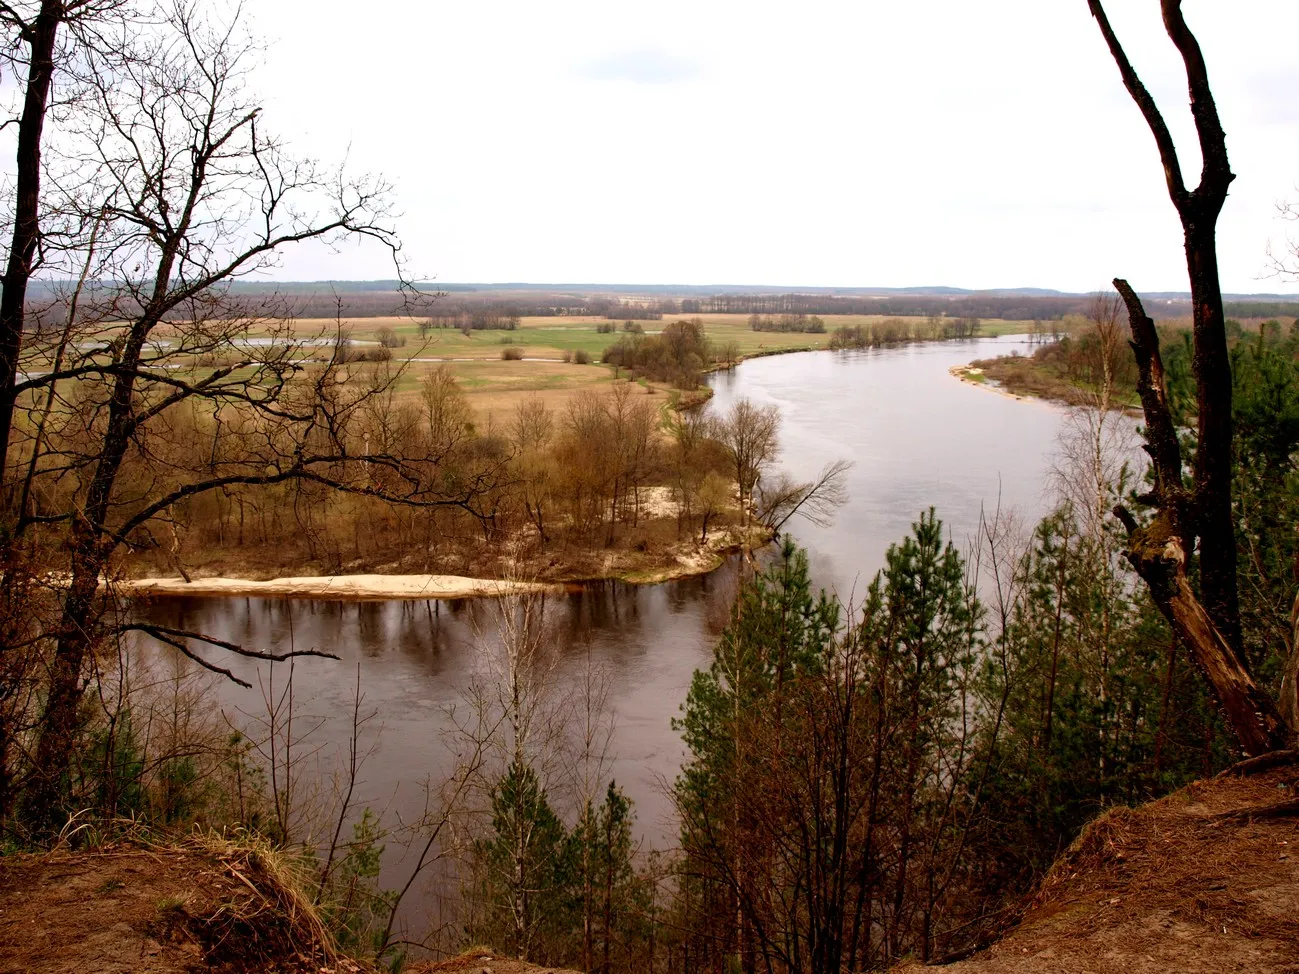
(1289, 702)
(26, 230)
(1210, 628)
(1159, 557)
(44, 798)
(1213, 456)
(1159, 553)
(77, 632)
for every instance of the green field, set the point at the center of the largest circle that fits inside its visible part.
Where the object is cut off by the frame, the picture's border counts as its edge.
(548, 336)
(495, 386)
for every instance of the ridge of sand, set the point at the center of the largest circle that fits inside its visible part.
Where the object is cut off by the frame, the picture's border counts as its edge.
(339, 587)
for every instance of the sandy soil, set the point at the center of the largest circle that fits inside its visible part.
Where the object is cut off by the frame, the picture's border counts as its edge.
(358, 587)
(480, 960)
(201, 905)
(654, 553)
(153, 910)
(1205, 880)
(968, 373)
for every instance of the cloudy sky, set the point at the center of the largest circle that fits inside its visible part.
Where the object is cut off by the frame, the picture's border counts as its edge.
(973, 144)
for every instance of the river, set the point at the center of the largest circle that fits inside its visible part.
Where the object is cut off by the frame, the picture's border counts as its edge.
(916, 436)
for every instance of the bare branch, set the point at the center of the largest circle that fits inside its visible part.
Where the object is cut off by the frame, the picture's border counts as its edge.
(1158, 128)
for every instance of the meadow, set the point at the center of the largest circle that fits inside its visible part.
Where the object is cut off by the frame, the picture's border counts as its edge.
(495, 386)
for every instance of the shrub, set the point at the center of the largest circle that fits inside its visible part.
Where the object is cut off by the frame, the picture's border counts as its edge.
(581, 357)
(389, 338)
(856, 336)
(350, 353)
(787, 323)
(604, 328)
(511, 353)
(677, 355)
(568, 355)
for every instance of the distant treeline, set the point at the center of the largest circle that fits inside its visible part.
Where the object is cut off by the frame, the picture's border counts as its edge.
(890, 331)
(1011, 307)
(1261, 309)
(359, 299)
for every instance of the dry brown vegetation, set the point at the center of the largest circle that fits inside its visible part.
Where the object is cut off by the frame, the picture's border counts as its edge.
(597, 488)
(1201, 881)
(159, 909)
(479, 960)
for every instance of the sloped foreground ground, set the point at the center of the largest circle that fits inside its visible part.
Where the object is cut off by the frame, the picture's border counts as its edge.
(1205, 880)
(480, 961)
(201, 906)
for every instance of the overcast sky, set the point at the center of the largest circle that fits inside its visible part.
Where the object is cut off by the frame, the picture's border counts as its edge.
(974, 144)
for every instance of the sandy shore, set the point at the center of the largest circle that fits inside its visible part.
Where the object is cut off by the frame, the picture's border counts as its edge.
(337, 587)
(966, 372)
(680, 561)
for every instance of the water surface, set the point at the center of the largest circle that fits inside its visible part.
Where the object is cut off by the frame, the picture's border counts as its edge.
(916, 437)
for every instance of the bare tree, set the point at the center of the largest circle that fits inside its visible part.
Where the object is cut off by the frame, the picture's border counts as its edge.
(750, 435)
(532, 431)
(1285, 264)
(518, 722)
(188, 194)
(814, 500)
(35, 29)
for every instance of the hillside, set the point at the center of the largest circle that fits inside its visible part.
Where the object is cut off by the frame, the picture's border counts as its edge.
(202, 905)
(480, 960)
(1204, 880)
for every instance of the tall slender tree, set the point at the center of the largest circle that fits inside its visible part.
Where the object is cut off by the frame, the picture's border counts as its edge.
(36, 31)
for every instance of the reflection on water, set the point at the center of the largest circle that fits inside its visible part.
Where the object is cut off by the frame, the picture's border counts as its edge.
(916, 436)
(417, 657)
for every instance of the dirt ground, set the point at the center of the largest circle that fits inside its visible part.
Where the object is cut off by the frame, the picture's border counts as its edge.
(1205, 880)
(151, 910)
(480, 960)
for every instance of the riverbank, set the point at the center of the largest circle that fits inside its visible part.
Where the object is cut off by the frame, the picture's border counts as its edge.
(1050, 375)
(337, 587)
(387, 561)
(1024, 380)
(634, 566)
(975, 376)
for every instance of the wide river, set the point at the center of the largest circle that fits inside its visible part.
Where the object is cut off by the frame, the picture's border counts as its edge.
(916, 437)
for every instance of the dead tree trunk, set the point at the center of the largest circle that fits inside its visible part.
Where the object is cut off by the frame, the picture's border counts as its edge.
(1210, 624)
(1198, 210)
(1159, 553)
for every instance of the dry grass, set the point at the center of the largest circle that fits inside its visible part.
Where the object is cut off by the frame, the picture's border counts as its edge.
(495, 386)
(203, 903)
(1024, 375)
